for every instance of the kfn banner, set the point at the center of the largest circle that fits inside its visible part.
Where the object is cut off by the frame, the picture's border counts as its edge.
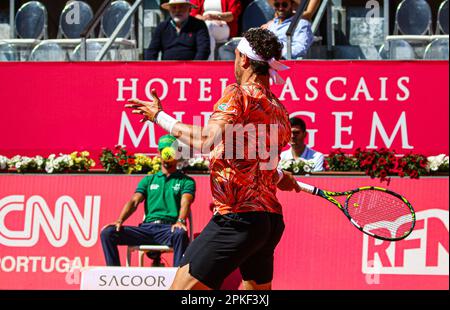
(50, 229)
(62, 107)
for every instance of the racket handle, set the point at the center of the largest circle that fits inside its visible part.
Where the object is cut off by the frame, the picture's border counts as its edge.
(307, 188)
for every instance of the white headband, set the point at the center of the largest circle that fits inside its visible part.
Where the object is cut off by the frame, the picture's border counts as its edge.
(275, 66)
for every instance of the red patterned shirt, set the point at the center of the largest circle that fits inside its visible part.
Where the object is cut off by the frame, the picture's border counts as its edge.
(243, 171)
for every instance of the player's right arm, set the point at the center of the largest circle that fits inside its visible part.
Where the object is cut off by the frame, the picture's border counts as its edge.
(227, 110)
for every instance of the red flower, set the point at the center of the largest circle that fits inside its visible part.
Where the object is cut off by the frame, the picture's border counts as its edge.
(383, 174)
(374, 167)
(122, 162)
(423, 163)
(414, 174)
(382, 161)
(131, 161)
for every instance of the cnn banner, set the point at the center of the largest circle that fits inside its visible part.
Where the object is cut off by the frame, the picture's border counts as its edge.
(63, 107)
(50, 227)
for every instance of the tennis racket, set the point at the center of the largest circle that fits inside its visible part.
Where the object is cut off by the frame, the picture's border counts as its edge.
(375, 211)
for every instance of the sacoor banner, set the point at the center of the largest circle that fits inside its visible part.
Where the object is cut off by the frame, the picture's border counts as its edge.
(63, 107)
(50, 227)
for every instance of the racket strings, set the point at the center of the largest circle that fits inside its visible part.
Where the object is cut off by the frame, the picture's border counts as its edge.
(380, 213)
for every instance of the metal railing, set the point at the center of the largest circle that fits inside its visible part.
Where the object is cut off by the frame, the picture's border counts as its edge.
(94, 23)
(119, 27)
(12, 21)
(293, 25)
(90, 27)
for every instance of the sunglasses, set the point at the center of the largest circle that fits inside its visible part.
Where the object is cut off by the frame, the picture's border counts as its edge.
(281, 4)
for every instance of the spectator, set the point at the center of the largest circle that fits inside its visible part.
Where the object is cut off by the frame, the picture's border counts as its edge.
(302, 37)
(181, 37)
(221, 17)
(298, 147)
(168, 196)
(311, 9)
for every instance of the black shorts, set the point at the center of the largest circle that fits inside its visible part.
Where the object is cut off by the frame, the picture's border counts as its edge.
(244, 240)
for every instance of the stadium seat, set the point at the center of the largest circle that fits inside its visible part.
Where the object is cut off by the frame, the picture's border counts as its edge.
(397, 50)
(93, 48)
(8, 52)
(413, 17)
(70, 28)
(112, 17)
(48, 51)
(442, 18)
(256, 14)
(31, 21)
(144, 248)
(437, 50)
(226, 51)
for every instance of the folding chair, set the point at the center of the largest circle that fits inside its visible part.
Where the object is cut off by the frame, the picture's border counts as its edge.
(144, 248)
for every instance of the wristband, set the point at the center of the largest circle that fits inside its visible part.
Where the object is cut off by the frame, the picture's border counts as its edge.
(182, 221)
(165, 121)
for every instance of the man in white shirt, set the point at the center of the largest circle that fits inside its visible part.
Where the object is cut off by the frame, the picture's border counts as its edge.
(298, 147)
(302, 38)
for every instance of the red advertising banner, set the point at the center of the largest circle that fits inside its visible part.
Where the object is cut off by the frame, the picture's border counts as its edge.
(64, 107)
(50, 225)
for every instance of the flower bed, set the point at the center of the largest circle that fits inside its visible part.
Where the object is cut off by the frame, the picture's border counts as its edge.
(381, 163)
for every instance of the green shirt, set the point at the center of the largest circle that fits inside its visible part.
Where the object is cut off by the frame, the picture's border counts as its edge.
(163, 195)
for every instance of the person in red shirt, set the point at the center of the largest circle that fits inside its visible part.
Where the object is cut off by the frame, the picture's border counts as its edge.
(221, 18)
(245, 134)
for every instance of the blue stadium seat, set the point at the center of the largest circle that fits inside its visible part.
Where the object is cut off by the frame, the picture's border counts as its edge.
(397, 50)
(413, 17)
(31, 21)
(93, 49)
(112, 17)
(442, 18)
(48, 51)
(8, 52)
(437, 50)
(74, 18)
(256, 14)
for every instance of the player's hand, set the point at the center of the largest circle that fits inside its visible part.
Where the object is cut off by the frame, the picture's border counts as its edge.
(148, 109)
(288, 182)
(117, 224)
(178, 225)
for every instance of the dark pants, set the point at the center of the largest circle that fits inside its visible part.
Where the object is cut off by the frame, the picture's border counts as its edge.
(145, 233)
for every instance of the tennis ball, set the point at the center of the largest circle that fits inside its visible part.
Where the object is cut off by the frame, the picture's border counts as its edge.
(168, 153)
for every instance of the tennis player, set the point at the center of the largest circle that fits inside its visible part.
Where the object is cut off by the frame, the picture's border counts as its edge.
(247, 223)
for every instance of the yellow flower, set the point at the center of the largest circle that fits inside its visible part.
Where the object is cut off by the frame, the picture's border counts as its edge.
(85, 154)
(73, 155)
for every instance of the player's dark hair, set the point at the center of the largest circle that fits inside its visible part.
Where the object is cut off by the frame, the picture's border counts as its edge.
(265, 44)
(298, 122)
